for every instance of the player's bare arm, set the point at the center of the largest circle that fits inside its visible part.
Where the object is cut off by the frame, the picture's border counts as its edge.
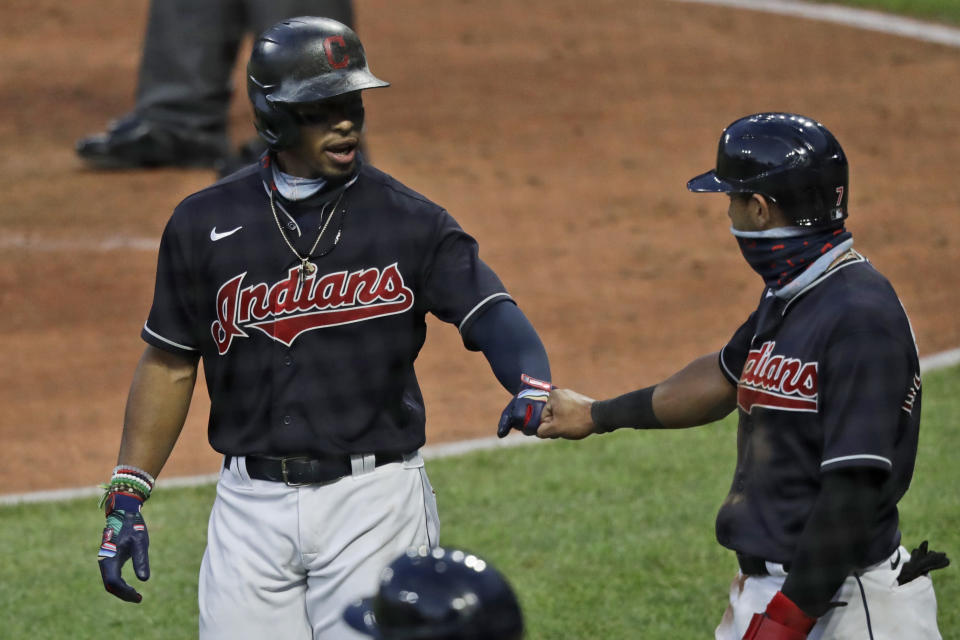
(157, 407)
(697, 394)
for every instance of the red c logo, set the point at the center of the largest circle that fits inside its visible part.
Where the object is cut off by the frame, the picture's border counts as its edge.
(331, 57)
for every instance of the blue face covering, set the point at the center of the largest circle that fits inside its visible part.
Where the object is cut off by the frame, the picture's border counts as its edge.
(295, 188)
(781, 255)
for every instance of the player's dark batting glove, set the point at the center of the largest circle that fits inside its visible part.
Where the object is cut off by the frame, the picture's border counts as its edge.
(783, 620)
(922, 561)
(524, 411)
(124, 537)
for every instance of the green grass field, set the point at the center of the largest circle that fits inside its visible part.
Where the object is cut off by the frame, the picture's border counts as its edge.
(601, 538)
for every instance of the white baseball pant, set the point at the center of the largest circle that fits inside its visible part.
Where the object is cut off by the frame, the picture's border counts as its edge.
(284, 562)
(895, 612)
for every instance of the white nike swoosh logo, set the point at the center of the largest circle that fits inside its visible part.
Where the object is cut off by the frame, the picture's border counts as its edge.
(214, 236)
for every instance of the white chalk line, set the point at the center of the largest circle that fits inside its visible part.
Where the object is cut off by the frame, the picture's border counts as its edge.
(36, 242)
(942, 360)
(429, 452)
(930, 363)
(859, 18)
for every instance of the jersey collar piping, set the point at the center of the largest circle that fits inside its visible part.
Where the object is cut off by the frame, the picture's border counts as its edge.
(843, 265)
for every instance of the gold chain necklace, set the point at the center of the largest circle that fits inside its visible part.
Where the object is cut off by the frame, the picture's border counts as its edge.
(307, 267)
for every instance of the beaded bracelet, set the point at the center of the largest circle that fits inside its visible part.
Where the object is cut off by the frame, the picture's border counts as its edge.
(132, 470)
(128, 479)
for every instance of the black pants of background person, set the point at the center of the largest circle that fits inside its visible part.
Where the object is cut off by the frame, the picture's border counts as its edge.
(185, 81)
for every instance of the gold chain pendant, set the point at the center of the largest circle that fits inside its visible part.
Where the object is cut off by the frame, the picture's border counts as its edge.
(307, 267)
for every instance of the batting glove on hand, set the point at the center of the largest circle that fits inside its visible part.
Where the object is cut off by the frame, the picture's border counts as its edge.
(524, 411)
(125, 536)
(922, 561)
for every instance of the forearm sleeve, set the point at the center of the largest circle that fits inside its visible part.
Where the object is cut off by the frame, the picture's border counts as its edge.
(510, 344)
(633, 409)
(834, 539)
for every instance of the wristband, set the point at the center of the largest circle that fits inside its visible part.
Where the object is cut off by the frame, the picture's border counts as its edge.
(126, 502)
(634, 409)
(531, 387)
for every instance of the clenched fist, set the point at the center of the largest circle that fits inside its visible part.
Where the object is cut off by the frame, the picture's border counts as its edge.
(567, 415)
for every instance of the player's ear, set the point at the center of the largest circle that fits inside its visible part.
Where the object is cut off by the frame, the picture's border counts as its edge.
(763, 211)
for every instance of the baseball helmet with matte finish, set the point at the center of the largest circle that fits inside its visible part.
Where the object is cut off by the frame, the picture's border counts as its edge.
(302, 60)
(439, 594)
(792, 160)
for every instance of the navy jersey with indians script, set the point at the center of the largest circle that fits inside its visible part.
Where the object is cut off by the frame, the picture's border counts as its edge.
(827, 380)
(323, 364)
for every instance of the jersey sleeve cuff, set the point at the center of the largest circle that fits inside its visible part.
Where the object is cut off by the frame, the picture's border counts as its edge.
(857, 460)
(479, 308)
(729, 375)
(155, 339)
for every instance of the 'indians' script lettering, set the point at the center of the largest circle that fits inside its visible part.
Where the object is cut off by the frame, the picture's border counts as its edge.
(286, 309)
(777, 382)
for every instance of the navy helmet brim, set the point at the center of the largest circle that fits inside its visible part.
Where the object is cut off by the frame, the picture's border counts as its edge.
(326, 86)
(709, 182)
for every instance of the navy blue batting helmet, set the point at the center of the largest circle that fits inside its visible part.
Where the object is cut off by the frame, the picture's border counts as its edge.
(439, 594)
(788, 158)
(299, 61)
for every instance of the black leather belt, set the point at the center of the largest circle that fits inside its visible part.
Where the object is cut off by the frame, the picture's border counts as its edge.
(300, 470)
(754, 566)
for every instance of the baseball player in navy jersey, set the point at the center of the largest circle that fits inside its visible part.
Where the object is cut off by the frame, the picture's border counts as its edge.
(302, 282)
(826, 381)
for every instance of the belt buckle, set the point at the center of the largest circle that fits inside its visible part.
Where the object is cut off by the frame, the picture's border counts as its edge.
(283, 471)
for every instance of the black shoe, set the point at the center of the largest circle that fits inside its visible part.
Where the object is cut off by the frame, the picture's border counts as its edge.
(132, 142)
(249, 153)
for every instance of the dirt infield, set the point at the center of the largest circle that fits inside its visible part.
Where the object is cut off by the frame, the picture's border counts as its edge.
(560, 133)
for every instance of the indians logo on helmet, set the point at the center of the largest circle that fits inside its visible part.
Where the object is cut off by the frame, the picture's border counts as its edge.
(332, 58)
(777, 382)
(286, 309)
